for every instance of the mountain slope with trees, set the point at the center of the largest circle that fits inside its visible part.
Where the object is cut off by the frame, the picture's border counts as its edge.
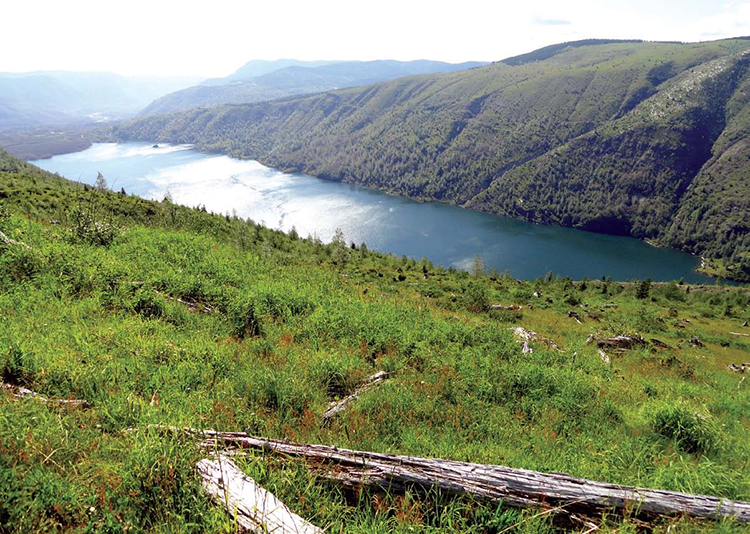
(294, 78)
(633, 138)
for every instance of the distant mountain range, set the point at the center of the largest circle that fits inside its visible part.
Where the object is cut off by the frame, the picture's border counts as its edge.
(258, 81)
(48, 98)
(634, 138)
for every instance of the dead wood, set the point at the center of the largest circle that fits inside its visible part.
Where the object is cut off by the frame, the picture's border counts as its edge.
(515, 487)
(620, 342)
(253, 508)
(739, 367)
(22, 392)
(659, 344)
(524, 337)
(191, 306)
(8, 241)
(340, 405)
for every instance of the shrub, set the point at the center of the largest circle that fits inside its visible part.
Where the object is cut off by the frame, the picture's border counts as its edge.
(17, 368)
(476, 297)
(643, 289)
(691, 431)
(283, 303)
(338, 374)
(21, 263)
(148, 305)
(87, 228)
(244, 317)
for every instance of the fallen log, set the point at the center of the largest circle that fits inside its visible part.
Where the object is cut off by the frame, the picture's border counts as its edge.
(738, 334)
(523, 337)
(191, 306)
(739, 367)
(659, 344)
(253, 508)
(620, 342)
(340, 405)
(22, 392)
(8, 241)
(515, 487)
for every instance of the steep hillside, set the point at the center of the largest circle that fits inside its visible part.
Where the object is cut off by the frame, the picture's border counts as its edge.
(156, 314)
(293, 80)
(607, 137)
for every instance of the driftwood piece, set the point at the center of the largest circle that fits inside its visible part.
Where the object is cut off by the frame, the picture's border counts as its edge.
(515, 487)
(8, 241)
(659, 344)
(620, 342)
(191, 306)
(337, 406)
(524, 337)
(254, 508)
(21, 392)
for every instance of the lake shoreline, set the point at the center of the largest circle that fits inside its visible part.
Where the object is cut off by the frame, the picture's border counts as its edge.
(385, 220)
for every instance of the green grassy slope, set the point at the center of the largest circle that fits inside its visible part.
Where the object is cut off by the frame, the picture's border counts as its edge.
(270, 327)
(606, 137)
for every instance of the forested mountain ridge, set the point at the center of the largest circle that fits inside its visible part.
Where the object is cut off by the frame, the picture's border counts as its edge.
(642, 139)
(296, 78)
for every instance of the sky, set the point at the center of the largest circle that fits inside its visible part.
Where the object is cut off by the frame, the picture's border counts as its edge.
(214, 38)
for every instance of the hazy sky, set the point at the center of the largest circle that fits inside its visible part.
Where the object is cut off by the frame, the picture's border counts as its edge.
(213, 38)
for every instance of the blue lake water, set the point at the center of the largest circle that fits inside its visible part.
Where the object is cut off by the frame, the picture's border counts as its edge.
(447, 235)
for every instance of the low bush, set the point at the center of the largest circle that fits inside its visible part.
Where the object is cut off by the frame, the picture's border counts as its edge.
(691, 431)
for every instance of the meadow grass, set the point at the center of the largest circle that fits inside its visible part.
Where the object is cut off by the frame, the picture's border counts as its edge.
(269, 328)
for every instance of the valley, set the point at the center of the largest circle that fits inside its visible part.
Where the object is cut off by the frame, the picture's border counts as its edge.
(367, 295)
(446, 235)
(624, 138)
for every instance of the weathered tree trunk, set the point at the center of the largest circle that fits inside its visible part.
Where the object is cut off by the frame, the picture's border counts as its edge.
(516, 487)
(340, 405)
(617, 342)
(8, 241)
(254, 508)
(524, 337)
(21, 392)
